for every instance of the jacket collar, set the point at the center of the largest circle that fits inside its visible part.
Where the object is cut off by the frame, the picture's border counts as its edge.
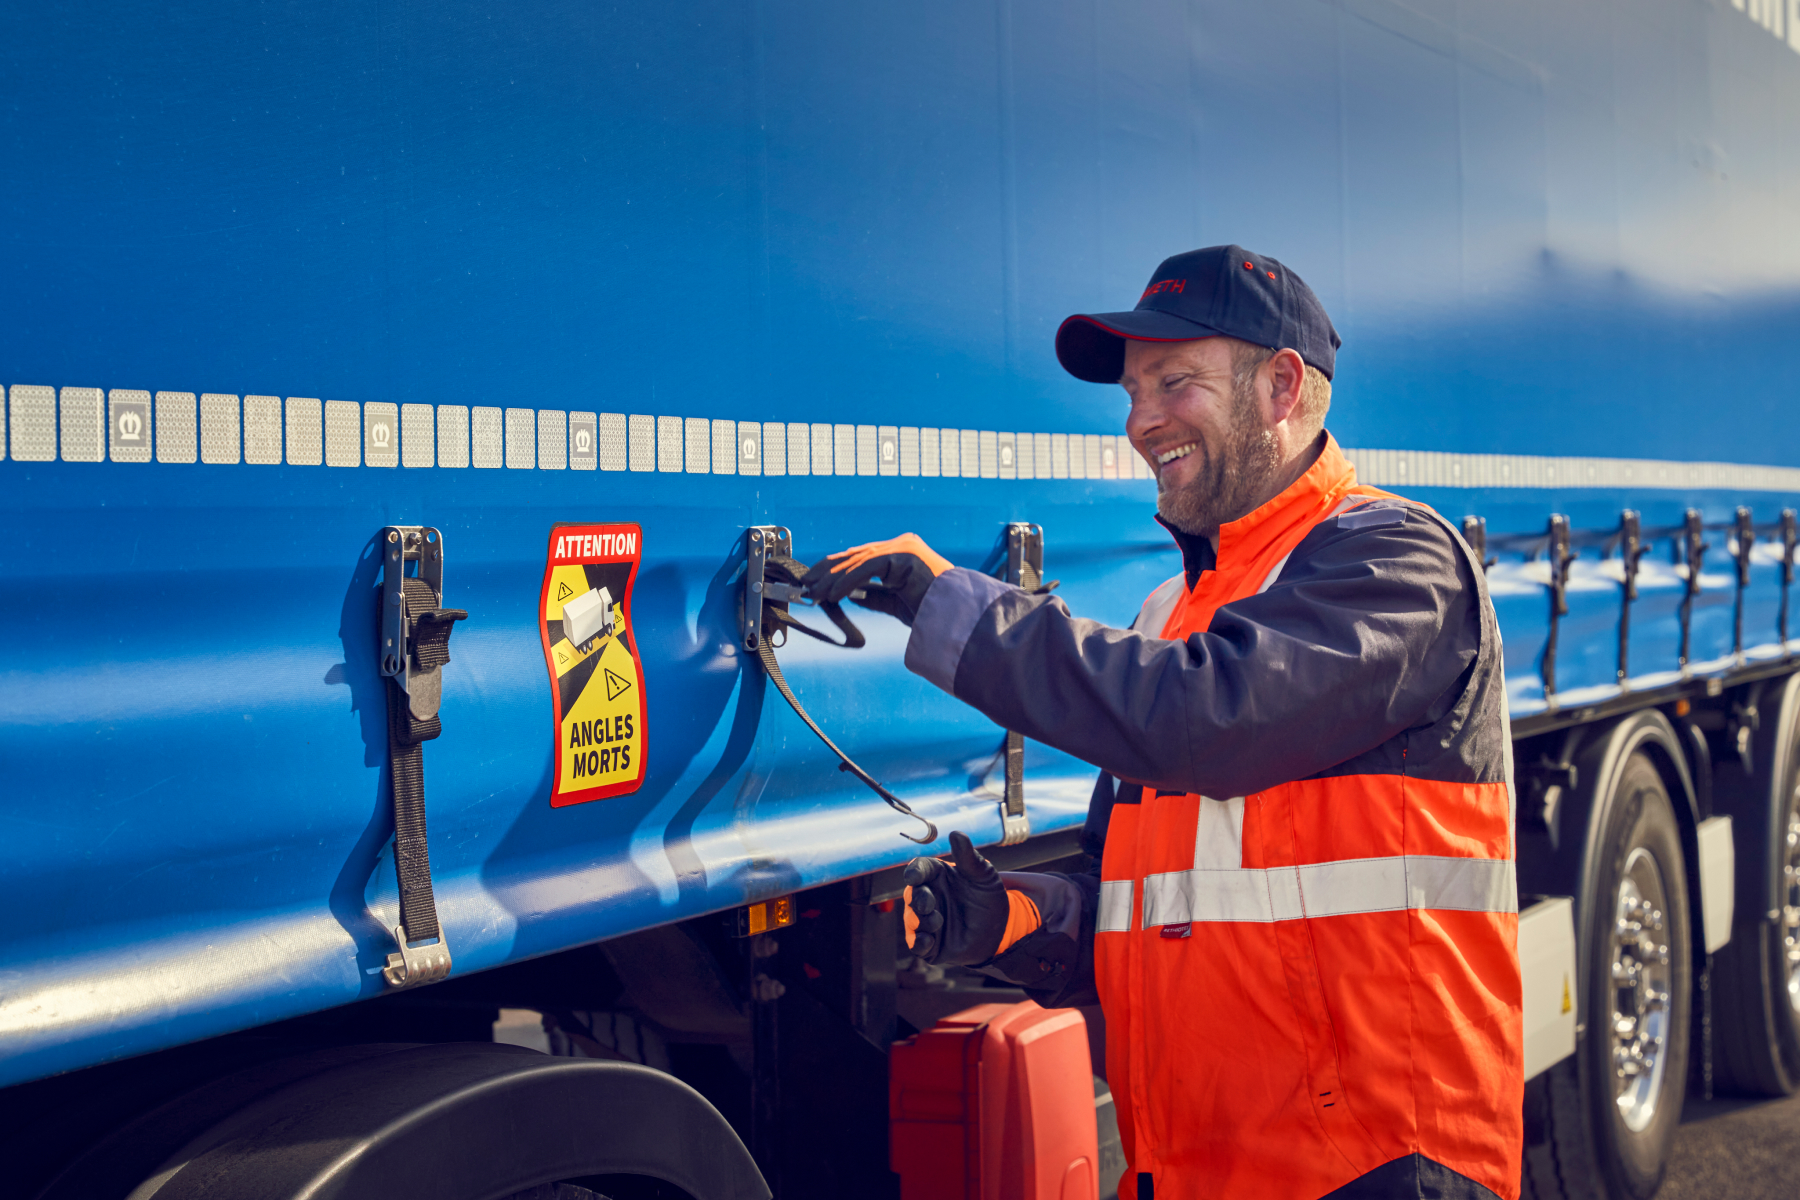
(1326, 482)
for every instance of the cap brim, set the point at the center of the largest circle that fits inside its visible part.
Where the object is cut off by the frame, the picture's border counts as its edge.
(1091, 346)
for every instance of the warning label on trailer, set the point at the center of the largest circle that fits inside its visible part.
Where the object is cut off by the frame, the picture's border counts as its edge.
(596, 680)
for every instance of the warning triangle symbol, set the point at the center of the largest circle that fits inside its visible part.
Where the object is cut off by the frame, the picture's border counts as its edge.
(616, 685)
(561, 657)
(564, 591)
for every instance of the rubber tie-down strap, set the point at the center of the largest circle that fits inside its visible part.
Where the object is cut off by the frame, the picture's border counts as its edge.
(767, 653)
(431, 628)
(406, 775)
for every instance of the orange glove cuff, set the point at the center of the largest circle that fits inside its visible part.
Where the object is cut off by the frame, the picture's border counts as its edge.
(1022, 919)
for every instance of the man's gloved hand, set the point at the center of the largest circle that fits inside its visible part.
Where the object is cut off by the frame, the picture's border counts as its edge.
(961, 906)
(905, 566)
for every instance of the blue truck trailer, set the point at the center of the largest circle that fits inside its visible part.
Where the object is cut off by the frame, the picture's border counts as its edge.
(569, 313)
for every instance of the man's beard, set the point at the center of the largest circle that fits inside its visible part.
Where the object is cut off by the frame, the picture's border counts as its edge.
(1228, 483)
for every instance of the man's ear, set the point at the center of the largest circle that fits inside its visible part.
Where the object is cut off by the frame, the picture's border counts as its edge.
(1284, 375)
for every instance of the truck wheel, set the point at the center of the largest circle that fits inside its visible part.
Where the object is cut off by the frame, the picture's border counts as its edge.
(1756, 976)
(1600, 1123)
(460, 1121)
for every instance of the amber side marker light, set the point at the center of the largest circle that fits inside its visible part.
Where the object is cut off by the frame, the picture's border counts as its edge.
(760, 918)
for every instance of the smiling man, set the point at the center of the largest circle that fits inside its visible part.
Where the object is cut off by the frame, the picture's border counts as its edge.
(1303, 926)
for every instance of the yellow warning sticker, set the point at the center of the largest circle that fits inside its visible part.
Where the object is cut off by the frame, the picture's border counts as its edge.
(596, 678)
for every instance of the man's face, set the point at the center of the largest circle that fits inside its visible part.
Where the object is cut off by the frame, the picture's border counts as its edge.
(1207, 440)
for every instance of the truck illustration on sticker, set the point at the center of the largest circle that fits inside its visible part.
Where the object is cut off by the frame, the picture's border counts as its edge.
(596, 678)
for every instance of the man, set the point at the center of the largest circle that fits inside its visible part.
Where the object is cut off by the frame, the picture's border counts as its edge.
(1303, 930)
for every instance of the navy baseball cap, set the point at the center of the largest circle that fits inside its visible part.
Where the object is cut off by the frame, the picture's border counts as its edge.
(1221, 291)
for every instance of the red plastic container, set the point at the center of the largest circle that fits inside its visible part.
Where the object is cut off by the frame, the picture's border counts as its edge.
(995, 1103)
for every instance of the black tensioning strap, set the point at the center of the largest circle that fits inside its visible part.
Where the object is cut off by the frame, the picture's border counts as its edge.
(430, 648)
(406, 773)
(853, 639)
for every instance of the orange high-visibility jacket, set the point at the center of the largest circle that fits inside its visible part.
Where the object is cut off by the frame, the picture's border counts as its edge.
(1304, 932)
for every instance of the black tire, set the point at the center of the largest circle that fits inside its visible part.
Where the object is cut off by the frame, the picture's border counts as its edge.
(1599, 1124)
(1756, 1021)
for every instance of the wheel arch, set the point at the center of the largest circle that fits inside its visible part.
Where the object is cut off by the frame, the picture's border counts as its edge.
(465, 1121)
(1749, 799)
(1602, 758)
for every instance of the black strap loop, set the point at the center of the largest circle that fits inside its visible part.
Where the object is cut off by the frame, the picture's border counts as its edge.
(767, 653)
(429, 627)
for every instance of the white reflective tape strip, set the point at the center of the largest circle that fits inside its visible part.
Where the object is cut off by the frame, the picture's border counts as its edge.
(775, 448)
(1109, 457)
(747, 443)
(1059, 456)
(177, 434)
(868, 460)
(821, 449)
(843, 447)
(697, 440)
(552, 439)
(487, 438)
(1363, 885)
(910, 446)
(33, 422)
(1091, 446)
(988, 448)
(129, 422)
(887, 450)
(1219, 835)
(1015, 456)
(930, 452)
(640, 440)
(417, 437)
(670, 432)
(799, 444)
(83, 425)
(2, 423)
(453, 435)
(262, 430)
(614, 440)
(968, 454)
(725, 452)
(305, 426)
(219, 431)
(521, 439)
(584, 441)
(381, 434)
(343, 433)
(1114, 915)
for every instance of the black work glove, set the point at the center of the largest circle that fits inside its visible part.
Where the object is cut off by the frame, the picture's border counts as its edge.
(961, 907)
(904, 581)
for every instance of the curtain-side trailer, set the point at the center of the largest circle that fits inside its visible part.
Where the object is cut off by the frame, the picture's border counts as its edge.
(548, 308)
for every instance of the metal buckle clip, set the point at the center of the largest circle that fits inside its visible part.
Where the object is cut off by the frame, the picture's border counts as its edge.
(426, 964)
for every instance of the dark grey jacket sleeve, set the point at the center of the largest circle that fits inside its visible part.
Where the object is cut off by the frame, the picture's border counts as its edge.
(1366, 633)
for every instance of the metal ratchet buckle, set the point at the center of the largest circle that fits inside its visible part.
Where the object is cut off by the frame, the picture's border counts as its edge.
(408, 966)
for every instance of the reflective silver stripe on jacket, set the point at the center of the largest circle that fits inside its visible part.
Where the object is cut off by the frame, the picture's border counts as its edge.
(1332, 889)
(1115, 906)
(1158, 605)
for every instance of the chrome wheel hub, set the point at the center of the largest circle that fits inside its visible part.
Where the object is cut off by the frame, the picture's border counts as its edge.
(1790, 900)
(1641, 985)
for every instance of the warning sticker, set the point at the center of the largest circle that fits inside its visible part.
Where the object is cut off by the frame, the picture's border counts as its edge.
(596, 680)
